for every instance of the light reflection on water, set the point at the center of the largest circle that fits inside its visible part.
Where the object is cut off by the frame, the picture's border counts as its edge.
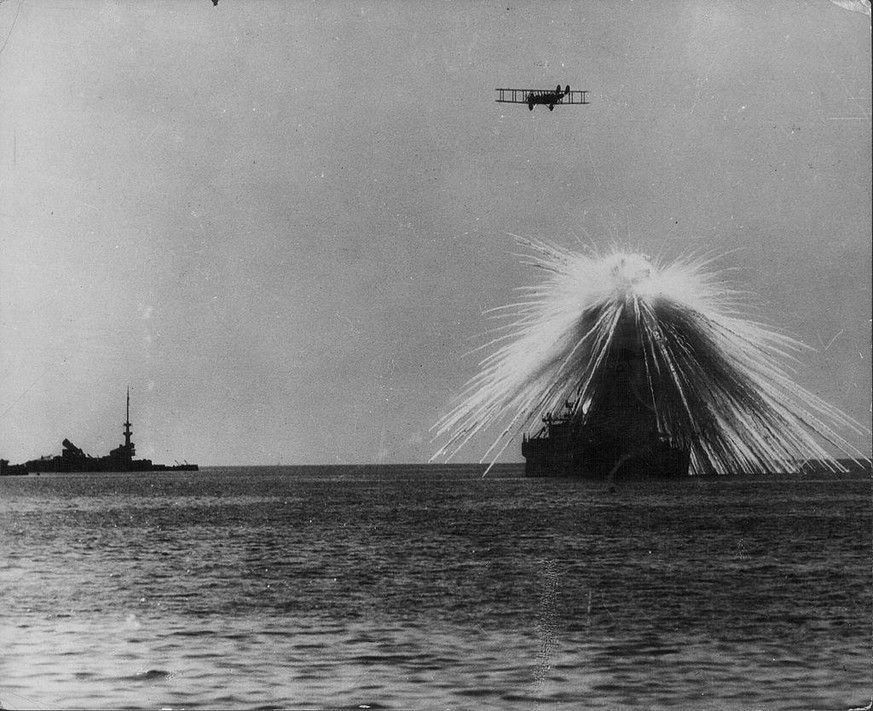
(420, 588)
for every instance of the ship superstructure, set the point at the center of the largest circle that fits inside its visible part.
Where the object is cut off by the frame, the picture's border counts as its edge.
(125, 452)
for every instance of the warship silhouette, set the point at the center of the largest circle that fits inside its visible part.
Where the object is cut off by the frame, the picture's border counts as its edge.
(73, 459)
(616, 434)
(570, 447)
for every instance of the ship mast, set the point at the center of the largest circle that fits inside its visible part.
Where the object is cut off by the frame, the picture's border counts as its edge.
(127, 444)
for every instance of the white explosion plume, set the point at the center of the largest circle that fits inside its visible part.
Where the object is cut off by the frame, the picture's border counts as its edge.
(712, 381)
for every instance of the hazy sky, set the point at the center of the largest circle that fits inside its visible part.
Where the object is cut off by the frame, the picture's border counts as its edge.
(280, 223)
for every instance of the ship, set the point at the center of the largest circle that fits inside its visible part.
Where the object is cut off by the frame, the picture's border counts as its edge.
(120, 459)
(571, 447)
(616, 433)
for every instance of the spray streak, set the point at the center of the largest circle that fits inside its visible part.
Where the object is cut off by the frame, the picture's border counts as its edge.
(610, 336)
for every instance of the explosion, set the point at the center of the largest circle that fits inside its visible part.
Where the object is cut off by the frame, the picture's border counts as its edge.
(636, 352)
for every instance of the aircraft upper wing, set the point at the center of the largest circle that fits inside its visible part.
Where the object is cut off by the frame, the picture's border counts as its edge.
(522, 96)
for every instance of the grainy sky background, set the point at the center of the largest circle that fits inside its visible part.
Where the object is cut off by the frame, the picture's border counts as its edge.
(280, 222)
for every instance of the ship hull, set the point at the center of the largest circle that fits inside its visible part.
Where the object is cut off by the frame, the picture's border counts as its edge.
(101, 464)
(584, 457)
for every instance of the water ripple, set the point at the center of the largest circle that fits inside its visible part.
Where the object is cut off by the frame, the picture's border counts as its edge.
(395, 589)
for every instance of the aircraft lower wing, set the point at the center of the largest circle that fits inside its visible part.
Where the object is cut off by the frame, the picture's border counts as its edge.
(524, 96)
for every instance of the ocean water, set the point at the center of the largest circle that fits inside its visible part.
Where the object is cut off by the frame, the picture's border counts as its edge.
(415, 587)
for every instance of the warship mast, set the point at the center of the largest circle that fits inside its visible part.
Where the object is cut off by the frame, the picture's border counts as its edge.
(128, 448)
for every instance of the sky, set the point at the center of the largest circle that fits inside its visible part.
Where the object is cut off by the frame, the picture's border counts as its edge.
(281, 224)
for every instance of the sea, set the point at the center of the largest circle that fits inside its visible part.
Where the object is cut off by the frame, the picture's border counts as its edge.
(433, 587)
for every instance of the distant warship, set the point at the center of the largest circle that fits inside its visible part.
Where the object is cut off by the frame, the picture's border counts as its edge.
(73, 459)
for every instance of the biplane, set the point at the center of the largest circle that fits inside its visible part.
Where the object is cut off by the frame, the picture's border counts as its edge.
(548, 97)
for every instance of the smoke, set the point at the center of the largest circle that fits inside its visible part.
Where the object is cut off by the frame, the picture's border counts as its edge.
(631, 348)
